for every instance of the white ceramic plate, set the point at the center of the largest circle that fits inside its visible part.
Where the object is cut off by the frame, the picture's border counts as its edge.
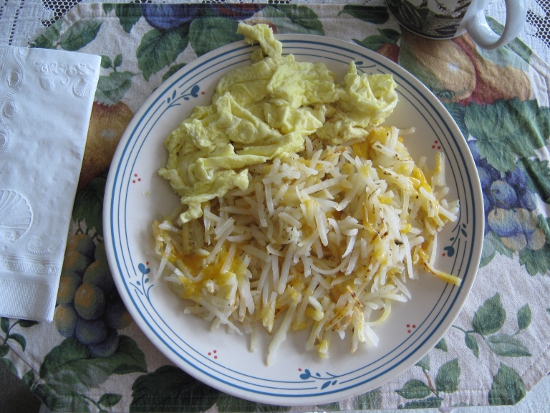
(135, 195)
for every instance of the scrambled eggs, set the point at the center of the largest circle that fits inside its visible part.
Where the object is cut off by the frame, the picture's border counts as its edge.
(264, 111)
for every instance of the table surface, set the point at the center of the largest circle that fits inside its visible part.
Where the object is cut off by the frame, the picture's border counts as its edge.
(497, 349)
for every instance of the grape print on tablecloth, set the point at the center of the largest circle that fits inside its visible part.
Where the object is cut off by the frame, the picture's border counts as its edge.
(89, 306)
(506, 156)
(508, 205)
(512, 223)
(89, 314)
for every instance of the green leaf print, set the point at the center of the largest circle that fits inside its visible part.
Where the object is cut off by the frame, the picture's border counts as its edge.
(28, 378)
(447, 381)
(471, 343)
(128, 15)
(230, 404)
(524, 317)
(536, 261)
(441, 345)
(507, 129)
(27, 323)
(507, 388)
(369, 14)
(127, 358)
(9, 364)
(4, 349)
(368, 401)
(70, 364)
(488, 320)
(374, 42)
(7, 328)
(458, 113)
(118, 61)
(490, 317)
(68, 372)
(414, 389)
(108, 7)
(209, 33)
(516, 46)
(424, 363)
(111, 89)
(160, 48)
(106, 62)
(292, 18)
(60, 398)
(491, 245)
(507, 346)
(488, 252)
(80, 34)
(544, 225)
(169, 389)
(171, 71)
(50, 37)
(109, 399)
(88, 204)
(390, 34)
(5, 324)
(537, 173)
(19, 339)
(448, 377)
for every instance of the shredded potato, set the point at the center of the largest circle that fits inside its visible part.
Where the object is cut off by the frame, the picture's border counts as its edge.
(323, 241)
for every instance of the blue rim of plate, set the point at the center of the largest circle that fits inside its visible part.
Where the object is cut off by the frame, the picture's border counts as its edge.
(298, 391)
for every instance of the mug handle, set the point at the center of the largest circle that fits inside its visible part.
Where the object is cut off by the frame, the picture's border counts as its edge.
(478, 28)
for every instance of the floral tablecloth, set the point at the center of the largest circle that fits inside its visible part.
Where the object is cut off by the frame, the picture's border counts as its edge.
(498, 347)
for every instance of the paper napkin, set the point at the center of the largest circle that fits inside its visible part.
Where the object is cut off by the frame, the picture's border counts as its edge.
(46, 99)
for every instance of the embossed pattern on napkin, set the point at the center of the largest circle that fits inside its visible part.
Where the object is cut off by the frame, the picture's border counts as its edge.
(46, 100)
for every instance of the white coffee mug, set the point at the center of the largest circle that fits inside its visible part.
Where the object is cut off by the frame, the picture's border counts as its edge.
(446, 19)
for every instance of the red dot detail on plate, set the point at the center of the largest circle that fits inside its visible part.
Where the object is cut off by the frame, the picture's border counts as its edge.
(215, 351)
(299, 369)
(215, 357)
(436, 141)
(133, 181)
(203, 93)
(209, 353)
(433, 146)
(408, 325)
(444, 254)
(409, 331)
(439, 147)
(414, 326)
